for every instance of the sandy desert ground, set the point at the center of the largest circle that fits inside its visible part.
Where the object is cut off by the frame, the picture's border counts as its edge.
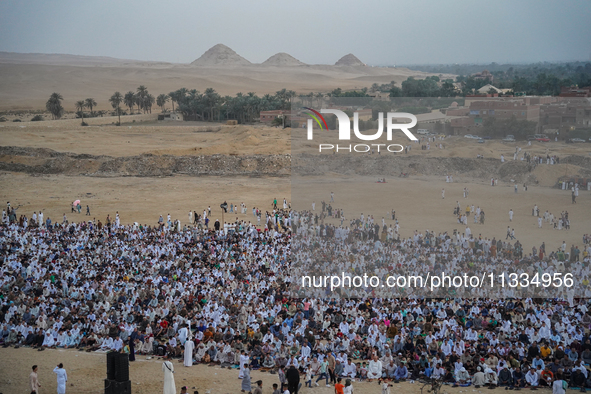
(28, 79)
(87, 371)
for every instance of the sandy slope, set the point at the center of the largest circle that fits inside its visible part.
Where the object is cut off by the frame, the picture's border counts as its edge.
(182, 138)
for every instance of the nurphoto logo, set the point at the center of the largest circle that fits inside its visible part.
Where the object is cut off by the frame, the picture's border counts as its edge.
(393, 122)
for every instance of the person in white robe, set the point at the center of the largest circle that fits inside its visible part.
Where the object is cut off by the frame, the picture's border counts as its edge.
(169, 386)
(375, 369)
(200, 352)
(62, 378)
(48, 341)
(244, 360)
(189, 346)
(183, 334)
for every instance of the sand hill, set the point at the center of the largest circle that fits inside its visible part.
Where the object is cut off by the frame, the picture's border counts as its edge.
(349, 60)
(282, 59)
(27, 80)
(220, 55)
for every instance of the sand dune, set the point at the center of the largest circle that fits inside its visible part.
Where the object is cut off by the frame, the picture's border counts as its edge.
(27, 80)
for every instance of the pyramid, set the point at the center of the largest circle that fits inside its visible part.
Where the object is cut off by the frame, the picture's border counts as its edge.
(220, 55)
(349, 60)
(282, 59)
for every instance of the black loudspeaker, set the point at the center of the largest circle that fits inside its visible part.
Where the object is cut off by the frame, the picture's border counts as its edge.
(111, 360)
(118, 367)
(114, 387)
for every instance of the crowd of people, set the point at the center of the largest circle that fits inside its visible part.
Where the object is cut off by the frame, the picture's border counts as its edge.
(230, 295)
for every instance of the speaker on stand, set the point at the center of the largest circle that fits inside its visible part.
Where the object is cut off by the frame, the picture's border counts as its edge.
(117, 381)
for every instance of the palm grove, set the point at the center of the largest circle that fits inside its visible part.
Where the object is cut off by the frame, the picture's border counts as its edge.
(193, 104)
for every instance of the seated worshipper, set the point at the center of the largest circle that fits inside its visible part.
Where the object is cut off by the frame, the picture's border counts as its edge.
(449, 376)
(438, 371)
(532, 378)
(268, 362)
(390, 370)
(401, 373)
(490, 378)
(350, 370)
(546, 377)
(173, 348)
(374, 370)
(200, 353)
(462, 378)
(146, 346)
(363, 372)
(338, 369)
(478, 379)
(505, 377)
(578, 376)
(518, 378)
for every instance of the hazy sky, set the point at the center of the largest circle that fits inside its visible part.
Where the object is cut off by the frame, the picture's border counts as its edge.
(314, 31)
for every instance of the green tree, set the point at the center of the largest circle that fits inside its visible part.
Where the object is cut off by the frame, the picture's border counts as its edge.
(448, 89)
(54, 105)
(211, 99)
(80, 105)
(141, 96)
(116, 100)
(161, 100)
(395, 91)
(129, 100)
(90, 103)
(149, 101)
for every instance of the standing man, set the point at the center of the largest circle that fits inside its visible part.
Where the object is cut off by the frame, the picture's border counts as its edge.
(331, 367)
(510, 215)
(293, 379)
(169, 386)
(244, 360)
(62, 378)
(189, 346)
(331, 196)
(259, 388)
(442, 194)
(34, 380)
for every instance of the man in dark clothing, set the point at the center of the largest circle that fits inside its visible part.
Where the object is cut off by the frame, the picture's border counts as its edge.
(505, 378)
(293, 379)
(523, 337)
(518, 378)
(533, 351)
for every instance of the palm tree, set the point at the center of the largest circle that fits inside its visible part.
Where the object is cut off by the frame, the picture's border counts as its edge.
(54, 105)
(173, 98)
(211, 99)
(142, 93)
(161, 100)
(90, 103)
(149, 101)
(80, 108)
(129, 100)
(116, 100)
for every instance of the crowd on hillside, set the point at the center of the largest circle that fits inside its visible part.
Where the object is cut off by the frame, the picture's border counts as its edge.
(232, 291)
